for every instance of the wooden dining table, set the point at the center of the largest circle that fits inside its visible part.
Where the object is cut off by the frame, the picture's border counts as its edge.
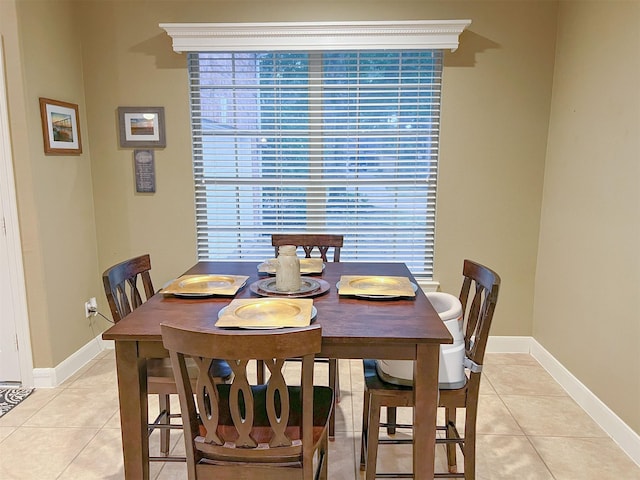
(404, 328)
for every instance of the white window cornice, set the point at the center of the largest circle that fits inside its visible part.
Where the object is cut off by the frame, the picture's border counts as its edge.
(360, 35)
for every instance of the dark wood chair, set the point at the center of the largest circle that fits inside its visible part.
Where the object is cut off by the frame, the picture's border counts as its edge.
(321, 243)
(128, 285)
(309, 242)
(481, 285)
(240, 431)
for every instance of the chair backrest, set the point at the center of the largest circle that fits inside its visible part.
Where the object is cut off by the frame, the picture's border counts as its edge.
(121, 285)
(478, 296)
(237, 422)
(310, 241)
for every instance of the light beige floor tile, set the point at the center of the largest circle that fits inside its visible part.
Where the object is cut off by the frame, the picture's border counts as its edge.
(585, 458)
(357, 440)
(154, 407)
(176, 440)
(345, 406)
(485, 386)
(357, 375)
(176, 449)
(108, 353)
(341, 457)
(320, 373)
(551, 416)
(516, 396)
(29, 406)
(344, 413)
(395, 458)
(494, 418)
(5, 432)
(502, 457)
(521, 380)
(509, 359)
(100, 459)
(103, 373)
(344, 377)
(77, 408)
(82, 371)
(173, 471)
(441, 463)
(114, 421)
(56, 448)
(357, 400)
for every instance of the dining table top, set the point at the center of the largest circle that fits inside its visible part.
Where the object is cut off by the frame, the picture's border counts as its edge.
(344, 319)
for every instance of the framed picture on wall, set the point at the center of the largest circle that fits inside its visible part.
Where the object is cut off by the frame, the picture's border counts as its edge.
(141, 127)
(60, 127)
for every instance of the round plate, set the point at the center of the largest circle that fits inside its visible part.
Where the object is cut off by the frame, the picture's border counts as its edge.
(314, 314)
(307, 285)
(320, 287)
(381, 297)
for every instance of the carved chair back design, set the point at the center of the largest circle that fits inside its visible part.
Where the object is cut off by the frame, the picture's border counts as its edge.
(274, 423)
(310, 242)
(121, 285)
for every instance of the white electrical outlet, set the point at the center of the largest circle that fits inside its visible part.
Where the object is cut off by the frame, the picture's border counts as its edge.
(91, 307)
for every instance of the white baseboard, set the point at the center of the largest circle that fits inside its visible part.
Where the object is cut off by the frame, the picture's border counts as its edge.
(620, 432)
(509, 344)
(53, 377)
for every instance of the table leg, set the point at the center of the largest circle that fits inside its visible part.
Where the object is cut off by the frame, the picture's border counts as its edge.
(132, 391)
(426, 406)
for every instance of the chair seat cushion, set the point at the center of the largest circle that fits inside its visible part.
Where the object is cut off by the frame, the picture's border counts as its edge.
(261, 432)
(375, 381)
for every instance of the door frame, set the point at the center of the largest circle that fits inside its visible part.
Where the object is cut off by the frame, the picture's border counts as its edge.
(14, 246)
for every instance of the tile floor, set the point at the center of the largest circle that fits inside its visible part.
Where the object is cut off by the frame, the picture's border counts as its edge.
(528, 429)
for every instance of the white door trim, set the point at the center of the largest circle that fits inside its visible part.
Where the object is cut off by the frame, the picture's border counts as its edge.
(14, 246)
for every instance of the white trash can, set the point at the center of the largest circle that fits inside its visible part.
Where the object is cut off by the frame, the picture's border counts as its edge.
(451, 372)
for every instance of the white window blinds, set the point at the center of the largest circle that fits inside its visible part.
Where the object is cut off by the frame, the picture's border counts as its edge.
(321, 142)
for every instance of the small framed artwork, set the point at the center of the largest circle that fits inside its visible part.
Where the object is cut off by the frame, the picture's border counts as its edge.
(141, 127)
(60, 127)
(145, 170)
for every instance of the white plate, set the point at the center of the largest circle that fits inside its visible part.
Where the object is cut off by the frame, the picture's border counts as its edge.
(314, 313)
(366, 295)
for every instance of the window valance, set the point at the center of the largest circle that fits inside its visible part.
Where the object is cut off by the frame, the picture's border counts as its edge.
(360, 35)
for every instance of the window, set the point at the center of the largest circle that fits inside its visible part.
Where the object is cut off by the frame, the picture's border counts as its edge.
(341, 140)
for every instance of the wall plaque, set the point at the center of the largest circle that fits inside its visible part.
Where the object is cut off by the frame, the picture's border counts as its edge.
(145, 171)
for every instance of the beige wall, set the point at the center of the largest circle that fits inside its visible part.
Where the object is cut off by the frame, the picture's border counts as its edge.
(496, 105)
(588, 273)
(55, 197)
